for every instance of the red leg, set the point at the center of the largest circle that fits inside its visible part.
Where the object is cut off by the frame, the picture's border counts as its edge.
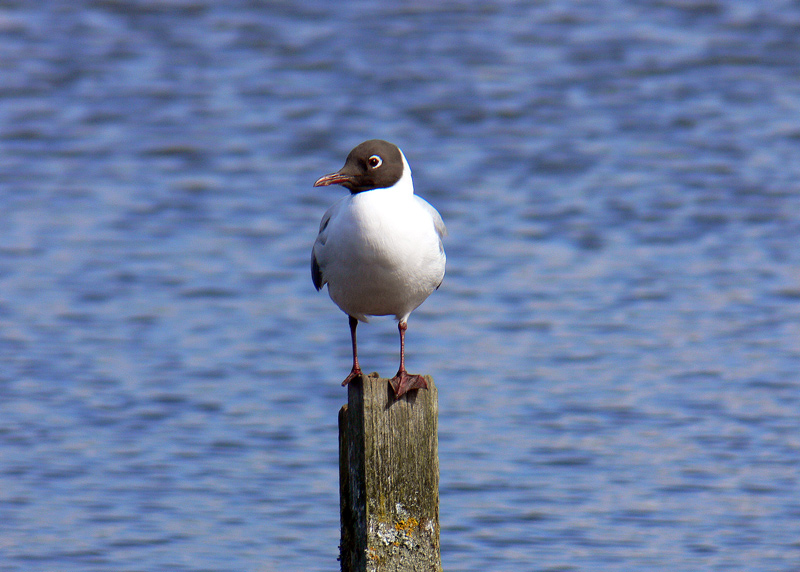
(403, 381)
(356, 371)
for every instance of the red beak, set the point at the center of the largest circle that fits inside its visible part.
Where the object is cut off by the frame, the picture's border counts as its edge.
(332, 179)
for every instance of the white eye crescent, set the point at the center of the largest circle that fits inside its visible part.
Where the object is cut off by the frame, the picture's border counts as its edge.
(374, 161)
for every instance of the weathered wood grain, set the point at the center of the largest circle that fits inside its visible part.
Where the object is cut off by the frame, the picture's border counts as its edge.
(389, 478)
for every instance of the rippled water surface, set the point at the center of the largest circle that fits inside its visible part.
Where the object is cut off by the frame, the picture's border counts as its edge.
(616, 344)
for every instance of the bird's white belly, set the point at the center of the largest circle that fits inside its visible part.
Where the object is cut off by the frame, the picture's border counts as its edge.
(382, 259)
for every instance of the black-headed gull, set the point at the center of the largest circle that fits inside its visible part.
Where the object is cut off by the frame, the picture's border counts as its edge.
(379, 249)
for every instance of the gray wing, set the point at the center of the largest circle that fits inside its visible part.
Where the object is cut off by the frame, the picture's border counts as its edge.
(316, 271)
(438, 224)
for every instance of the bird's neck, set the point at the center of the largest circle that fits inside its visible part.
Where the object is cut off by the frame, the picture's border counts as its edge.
(405, 186)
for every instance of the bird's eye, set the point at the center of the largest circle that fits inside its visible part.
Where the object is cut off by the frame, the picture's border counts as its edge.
(375, 162)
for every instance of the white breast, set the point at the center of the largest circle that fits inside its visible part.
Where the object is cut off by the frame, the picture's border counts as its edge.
(381, 253)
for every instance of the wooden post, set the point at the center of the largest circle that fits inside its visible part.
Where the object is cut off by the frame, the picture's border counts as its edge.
(389, 478)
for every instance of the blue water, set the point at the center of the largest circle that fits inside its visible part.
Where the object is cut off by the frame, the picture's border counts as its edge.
(616, 344)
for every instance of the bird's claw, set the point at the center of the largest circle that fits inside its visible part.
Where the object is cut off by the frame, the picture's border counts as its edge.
(404, 382)
(354, 373)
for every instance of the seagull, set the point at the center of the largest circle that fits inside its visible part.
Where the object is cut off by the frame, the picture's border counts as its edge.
(379, 249)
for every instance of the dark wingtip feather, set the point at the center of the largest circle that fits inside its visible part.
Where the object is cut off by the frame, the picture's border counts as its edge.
(316, 274)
